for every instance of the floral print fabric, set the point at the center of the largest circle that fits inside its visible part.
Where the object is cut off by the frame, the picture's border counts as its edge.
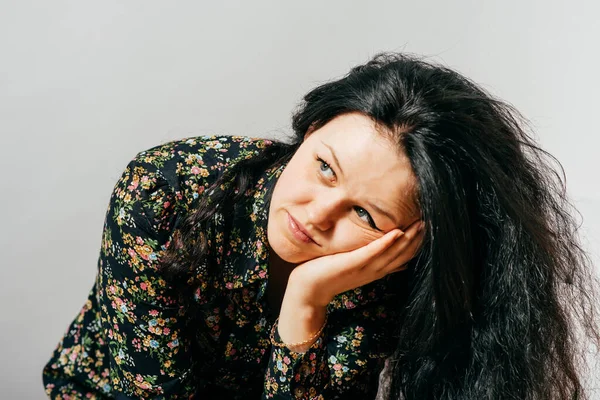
(127, 341)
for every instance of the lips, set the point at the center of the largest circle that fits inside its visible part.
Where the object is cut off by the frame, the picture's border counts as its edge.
(299, 231)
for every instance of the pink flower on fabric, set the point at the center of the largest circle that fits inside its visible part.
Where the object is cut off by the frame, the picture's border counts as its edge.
(143, 385)
(133, 185)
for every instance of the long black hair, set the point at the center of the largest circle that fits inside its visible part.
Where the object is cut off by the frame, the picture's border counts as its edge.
(501, 286)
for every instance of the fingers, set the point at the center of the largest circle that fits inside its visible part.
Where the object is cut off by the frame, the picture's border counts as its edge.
(366, 254)
(344, 271)
(383, 255)
(403, 250)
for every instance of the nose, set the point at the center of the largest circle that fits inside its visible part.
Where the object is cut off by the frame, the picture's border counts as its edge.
(323, 211)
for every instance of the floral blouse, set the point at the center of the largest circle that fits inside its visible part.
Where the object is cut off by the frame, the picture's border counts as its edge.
(127, 341)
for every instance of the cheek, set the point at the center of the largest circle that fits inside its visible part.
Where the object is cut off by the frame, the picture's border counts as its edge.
(294, 186)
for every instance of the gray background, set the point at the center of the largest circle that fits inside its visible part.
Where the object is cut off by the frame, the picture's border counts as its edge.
(84, 86)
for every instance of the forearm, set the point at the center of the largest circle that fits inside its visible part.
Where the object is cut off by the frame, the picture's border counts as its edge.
(343, 362)
(299, 318)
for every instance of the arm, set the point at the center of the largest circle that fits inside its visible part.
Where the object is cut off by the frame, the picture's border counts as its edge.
(139, 311)
(126, 342)
(344, 362)
(325, 367)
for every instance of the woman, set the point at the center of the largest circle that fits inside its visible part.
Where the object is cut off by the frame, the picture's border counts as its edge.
(410, 217)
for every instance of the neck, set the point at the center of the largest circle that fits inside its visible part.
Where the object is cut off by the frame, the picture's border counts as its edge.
(279, 273)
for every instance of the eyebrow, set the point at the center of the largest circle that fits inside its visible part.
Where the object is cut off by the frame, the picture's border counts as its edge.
(382, 211)
(337, 162)
(374, 206)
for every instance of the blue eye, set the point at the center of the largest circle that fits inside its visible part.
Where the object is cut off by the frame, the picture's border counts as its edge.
(326, 169)
(364, 215)
(329, 173)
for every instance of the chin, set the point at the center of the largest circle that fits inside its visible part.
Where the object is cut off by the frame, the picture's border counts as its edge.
(286, 250)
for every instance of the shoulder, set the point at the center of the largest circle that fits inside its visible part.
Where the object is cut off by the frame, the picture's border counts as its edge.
(213, 151)
(190, 165)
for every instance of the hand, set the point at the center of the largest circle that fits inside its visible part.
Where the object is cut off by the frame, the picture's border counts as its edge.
(321, 279)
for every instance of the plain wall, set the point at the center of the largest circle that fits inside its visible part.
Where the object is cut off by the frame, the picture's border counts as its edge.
(84, 86)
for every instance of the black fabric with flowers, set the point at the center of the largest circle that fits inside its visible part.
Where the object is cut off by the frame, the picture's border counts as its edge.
(127, 340)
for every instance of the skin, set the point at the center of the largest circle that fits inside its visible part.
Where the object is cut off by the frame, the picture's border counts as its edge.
(352, 191)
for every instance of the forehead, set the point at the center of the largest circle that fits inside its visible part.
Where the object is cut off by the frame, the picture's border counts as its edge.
(373, 167)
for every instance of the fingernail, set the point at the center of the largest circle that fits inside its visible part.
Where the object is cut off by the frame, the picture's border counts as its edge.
(421, 226)
(398, 235)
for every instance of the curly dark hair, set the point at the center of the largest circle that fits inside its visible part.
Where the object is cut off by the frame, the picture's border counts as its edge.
(501, 292)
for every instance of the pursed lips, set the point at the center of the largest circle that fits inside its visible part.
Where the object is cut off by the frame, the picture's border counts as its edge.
(301, 228)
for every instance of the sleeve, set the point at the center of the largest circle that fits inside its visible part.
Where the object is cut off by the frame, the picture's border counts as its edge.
(135, 319)
(343, 363)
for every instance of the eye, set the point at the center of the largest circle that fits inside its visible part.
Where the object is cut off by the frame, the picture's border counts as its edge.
(365, 216)
(325, 169)
(328, 173)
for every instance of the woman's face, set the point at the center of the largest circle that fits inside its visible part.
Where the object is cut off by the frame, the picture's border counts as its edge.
(345, 186)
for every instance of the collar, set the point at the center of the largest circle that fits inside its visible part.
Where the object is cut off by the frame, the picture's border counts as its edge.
(247, 253)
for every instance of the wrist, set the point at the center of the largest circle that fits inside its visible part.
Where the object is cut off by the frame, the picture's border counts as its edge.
(306, 292)
(298, 347)
(300, 321)
(299, 332)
